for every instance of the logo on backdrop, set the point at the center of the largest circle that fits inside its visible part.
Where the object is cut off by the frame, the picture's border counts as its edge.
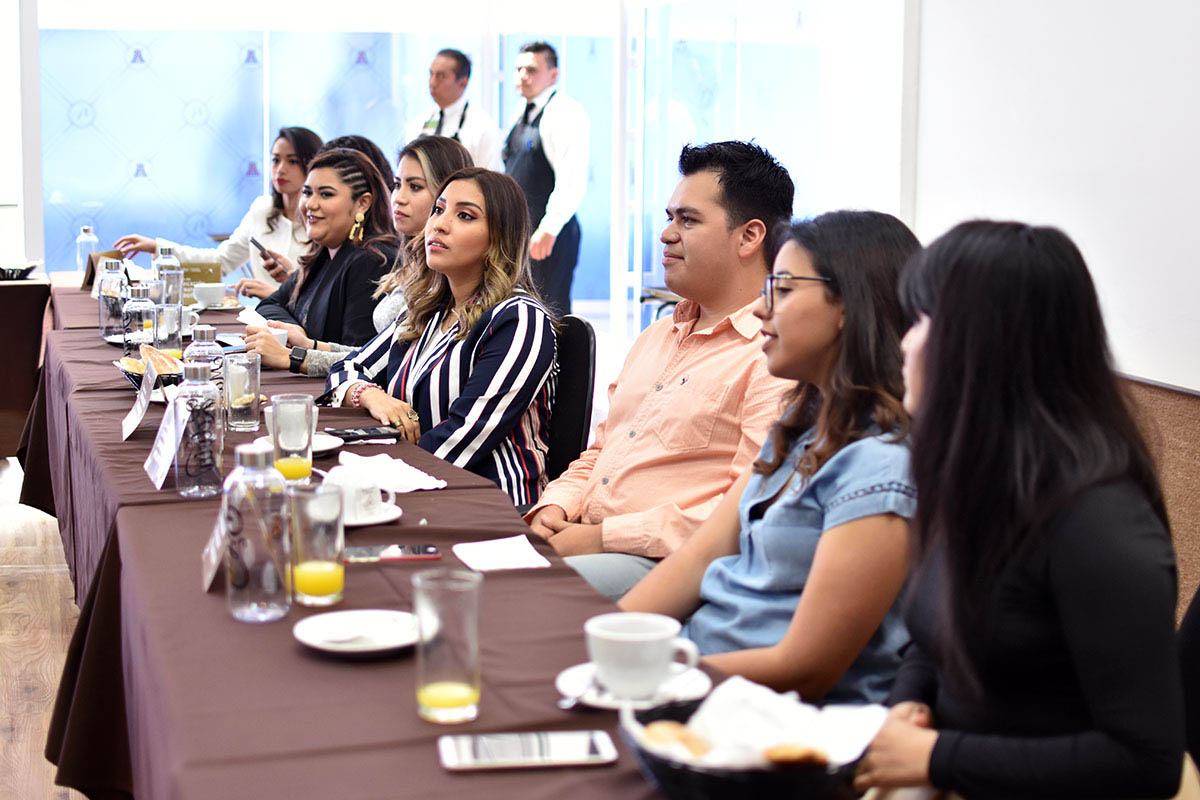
(362, 58)
(251, 58)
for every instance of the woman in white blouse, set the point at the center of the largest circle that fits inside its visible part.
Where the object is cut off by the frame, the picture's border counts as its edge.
(273, 220)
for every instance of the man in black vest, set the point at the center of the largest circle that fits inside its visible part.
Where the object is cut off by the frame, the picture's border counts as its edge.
(547, 154)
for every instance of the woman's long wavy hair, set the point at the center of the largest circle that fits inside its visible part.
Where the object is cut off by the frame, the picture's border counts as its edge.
(305, 145)
(861, 253)
(1020, 409)
(439, 157)
(505, 264)
(358, 173)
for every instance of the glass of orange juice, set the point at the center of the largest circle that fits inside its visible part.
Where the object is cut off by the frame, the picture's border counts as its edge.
(314, 516)
(446, 604)
(166, 332)
(293, 419)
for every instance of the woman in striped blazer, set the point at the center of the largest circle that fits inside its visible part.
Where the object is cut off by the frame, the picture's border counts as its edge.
(468, 371)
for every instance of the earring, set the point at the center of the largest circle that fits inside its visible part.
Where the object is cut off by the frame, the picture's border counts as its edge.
(356, 233)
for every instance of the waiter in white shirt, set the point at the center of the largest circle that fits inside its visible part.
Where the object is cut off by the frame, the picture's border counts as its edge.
(547, 154)
(455, 117)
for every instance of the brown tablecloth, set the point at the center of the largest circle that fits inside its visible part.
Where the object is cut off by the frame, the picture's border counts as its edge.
(22, 310)
(73, 308)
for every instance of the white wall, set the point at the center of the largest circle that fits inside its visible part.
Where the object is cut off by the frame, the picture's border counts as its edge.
(1084, 115)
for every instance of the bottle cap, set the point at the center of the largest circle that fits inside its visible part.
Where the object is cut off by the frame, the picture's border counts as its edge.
(110, 263)
(204, 333)
(197, 370)
(166, 251)
(139, 292)
(257, 456)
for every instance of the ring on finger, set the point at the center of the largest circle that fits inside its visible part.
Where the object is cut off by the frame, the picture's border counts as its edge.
(413, 415)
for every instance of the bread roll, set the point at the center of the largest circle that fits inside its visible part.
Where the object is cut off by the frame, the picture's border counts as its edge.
(163, 363)
(795, 754)
(667, 731)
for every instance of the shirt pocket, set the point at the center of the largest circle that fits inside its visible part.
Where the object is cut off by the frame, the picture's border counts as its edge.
(685, 414)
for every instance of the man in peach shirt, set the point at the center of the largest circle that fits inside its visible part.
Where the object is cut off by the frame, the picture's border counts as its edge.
(693, 402)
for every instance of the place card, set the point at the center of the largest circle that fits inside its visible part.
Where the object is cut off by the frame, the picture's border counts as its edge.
(213, 554)
(166, 444)
(134, 417)
(513, 552)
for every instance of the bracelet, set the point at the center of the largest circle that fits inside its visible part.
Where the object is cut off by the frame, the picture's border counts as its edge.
(357, 390)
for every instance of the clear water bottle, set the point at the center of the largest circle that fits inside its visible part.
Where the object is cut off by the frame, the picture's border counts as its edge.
(258, 553)
(204, 348)
(86, 243)
(111, 287)
(137, 320)
(198, 412)
(168, 270)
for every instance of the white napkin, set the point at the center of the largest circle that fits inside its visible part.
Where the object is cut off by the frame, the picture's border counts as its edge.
(513, 552)
(393, 473)
(741, 718)
(248, 316)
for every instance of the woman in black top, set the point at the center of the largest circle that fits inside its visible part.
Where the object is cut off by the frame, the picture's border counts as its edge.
(345, 208)
(1042, 600)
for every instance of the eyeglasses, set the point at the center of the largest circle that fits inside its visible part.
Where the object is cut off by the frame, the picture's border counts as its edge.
(768, 292)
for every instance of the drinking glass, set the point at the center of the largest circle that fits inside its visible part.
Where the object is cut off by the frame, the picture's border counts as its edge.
(446, 604)
(242, 375)
(314, 515)
(172, 286)
(167, 335)
(291, 435)
(157, 291)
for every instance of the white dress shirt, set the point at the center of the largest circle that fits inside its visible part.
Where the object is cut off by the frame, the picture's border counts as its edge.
(565, 130)
(478, 132)
(287, 239)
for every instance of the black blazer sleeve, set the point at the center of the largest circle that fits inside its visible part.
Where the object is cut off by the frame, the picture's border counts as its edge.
(352, 300)
(275, 306)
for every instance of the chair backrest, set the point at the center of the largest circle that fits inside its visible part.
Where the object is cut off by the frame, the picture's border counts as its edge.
(571, 417)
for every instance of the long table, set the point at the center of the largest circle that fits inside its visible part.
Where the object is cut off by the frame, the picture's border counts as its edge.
(164, 695)
(22, 308)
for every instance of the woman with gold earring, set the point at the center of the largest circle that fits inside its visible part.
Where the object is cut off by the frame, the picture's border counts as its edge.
(344, 204)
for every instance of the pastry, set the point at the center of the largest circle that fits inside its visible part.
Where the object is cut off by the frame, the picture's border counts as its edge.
(666, 731)
(163, 363)
(795, 754)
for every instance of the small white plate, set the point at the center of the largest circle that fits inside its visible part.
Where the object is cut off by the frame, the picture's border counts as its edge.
(368, 630)
(684, 684)
(322, 443)
(387, 513)
(197, 307)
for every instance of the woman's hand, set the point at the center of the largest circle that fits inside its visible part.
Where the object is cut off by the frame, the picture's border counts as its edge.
(253, 287)
(278, 266)
(133, 243)
(899, 754)
(262, 341)
(296, 335)
(390, 411)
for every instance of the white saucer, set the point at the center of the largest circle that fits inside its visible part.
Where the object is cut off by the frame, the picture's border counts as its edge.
(684, 684)
(368, 630)
(322, 443)
(387, 513)
(199, 307)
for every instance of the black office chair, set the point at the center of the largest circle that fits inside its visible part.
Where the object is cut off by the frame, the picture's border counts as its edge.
(1189, 662)
(571, 416)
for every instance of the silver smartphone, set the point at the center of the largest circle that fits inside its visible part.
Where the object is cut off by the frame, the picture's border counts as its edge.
(526, 750)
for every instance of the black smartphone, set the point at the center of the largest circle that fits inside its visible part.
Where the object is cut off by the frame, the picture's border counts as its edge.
(261, 249)
(355, 434)
(371, 554)
(526, 750)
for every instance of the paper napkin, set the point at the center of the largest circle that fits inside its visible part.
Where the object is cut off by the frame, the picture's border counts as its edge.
(393, 473)
(513, 552)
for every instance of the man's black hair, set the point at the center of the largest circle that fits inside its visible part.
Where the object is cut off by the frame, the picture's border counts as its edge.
(753, 184)
(462, 64)
(545, 50)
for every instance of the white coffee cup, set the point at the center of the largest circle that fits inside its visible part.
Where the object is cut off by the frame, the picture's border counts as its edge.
(633, 652)
(189, 319)
(208, 294)
(362, 497)
(280, 335)
(269, 419)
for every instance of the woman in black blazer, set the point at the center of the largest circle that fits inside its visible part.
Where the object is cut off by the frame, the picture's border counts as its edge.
(345, 208)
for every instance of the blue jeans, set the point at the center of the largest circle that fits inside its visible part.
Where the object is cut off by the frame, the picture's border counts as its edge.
(611, 574)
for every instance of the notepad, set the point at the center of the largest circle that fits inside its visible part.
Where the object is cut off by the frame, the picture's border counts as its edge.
(513, 552)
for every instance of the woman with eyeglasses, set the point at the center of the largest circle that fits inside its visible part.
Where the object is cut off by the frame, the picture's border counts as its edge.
(792, 581)
(1042, 599)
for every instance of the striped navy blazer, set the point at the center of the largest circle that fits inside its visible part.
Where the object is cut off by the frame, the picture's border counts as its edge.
(484, 400)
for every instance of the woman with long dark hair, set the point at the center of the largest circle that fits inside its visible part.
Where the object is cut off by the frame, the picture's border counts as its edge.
(467, 372)
(1042, 603)
(330, 294)
(274, 221)
(792, 580)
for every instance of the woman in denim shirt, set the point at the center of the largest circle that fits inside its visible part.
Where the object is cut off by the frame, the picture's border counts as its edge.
(792, 581)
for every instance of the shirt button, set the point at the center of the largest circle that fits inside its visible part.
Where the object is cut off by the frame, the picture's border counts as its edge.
(632, 434)
(604, 481)
(658, 387)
